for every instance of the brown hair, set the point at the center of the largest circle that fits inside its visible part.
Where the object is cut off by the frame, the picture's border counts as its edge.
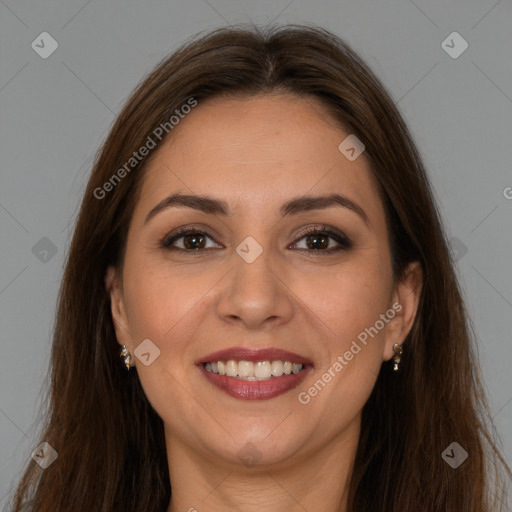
(110, 441)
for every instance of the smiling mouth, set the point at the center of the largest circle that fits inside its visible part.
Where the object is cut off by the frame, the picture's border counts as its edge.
(253, 371)
(254, 374)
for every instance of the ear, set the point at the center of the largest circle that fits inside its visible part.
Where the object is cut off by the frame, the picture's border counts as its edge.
(117, 308)
(404, 302)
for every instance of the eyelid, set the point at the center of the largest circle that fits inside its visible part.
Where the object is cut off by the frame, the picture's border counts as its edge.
(321, 228)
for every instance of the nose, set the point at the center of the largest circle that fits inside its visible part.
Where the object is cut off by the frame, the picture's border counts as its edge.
(256, 294)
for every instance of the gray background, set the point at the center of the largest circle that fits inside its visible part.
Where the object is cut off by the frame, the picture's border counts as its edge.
(56, 112)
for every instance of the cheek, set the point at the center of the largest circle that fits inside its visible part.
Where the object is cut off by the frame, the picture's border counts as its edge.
(348, 305)
(347, 299)
(168, 304)
(349, 309)
(165, 308)
(158, 304)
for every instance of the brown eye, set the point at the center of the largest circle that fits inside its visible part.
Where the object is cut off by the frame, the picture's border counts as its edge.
(193, 240)
(321, 241)
(317, 241)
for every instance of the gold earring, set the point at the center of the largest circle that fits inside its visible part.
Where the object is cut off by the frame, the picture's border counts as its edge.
(127, 357)
(397, 348)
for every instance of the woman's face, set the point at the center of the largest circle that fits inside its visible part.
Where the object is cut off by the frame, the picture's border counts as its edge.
(250, 282)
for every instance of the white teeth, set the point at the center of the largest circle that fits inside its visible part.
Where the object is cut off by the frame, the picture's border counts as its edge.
(276, 368)
(296, 368)
(231, 368)
(262, 370)
(247, 370)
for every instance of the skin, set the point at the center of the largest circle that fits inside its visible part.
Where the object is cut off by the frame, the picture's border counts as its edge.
(256, 153)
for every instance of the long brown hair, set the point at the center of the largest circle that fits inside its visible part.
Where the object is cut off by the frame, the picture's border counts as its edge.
(110, 441)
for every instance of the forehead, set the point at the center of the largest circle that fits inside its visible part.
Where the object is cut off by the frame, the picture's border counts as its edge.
(256, 151)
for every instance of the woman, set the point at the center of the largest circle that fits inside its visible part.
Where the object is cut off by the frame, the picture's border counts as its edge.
(259, 242)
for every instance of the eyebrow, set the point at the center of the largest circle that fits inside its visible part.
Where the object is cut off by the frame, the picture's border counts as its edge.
(295, 206)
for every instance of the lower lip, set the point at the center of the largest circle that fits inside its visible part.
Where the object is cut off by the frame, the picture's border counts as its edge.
(254, 389)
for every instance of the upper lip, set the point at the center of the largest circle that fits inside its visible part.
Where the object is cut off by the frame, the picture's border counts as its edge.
(254, 355)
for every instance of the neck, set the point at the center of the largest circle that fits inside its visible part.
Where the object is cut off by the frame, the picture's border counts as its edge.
(314, 480)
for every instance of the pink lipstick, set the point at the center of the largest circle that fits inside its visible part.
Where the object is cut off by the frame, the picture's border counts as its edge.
(254, 374)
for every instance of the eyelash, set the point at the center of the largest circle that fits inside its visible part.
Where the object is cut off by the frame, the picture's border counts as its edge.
(338, 236)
